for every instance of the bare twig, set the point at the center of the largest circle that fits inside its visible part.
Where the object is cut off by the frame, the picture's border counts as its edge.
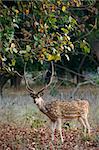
(80, 84)
(69, 70)
(16, 72)
(94, 27)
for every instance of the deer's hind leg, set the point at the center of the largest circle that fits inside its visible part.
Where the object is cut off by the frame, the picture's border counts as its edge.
(81, 120)
(87, 125)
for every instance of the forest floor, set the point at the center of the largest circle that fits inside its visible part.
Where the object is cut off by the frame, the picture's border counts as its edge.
(13, 137)
(23, 127)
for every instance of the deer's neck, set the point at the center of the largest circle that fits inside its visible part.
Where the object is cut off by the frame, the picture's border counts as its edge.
(40, 102)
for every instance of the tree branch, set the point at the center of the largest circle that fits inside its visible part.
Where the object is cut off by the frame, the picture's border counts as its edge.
(80, 84)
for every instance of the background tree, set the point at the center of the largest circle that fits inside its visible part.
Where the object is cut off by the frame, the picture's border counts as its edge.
(44, 31)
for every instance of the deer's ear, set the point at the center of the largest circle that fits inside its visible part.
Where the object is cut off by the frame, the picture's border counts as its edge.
(41, 94)
(32, 95)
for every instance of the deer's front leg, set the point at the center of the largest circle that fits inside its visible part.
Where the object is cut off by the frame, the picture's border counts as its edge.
(59, 121)
(53, 127)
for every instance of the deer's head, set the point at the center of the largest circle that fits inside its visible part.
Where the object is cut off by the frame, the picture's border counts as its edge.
(37, 96)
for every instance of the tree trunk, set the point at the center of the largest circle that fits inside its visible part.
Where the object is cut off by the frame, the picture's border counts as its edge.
(4, 77)
(15, 81)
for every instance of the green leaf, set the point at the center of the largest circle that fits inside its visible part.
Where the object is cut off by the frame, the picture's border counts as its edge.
(22, 52)
(13, 62)
(35, 38)
(82, 44)
(86, 49)
(74, 21)
(65, 30)
(28, 48)
(15, 50)
(70, 18)
(85, 46)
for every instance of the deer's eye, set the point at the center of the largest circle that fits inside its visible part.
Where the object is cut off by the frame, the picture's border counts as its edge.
(31, 94)
(42, 94)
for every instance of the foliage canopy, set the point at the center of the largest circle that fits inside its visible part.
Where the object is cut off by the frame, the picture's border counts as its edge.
(42, 30)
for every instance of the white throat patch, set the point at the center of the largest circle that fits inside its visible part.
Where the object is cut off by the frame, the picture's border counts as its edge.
(39, 101)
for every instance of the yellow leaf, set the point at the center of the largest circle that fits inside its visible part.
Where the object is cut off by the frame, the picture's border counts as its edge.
(53, 8)
(50, 57)
(16, 11)
(27, 12)
(78, 3)
(53, 57)
(43, 49)
(41, 25)
(57, 57)
(58, 2)
(63, 8)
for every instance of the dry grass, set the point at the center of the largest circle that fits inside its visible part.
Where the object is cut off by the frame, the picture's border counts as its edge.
(17, 106)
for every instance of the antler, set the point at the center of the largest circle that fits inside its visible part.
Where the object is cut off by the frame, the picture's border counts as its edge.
(41, 90)
(29, 89)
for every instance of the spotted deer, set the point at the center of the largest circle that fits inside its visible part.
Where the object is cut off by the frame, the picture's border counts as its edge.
(57, 111)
